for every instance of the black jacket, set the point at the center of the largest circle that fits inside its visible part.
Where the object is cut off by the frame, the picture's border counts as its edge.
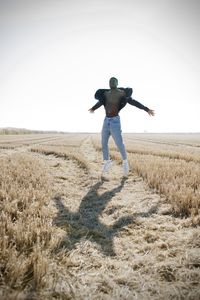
(100, 96)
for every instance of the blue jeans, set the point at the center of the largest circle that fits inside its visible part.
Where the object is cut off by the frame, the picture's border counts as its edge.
(112, 127)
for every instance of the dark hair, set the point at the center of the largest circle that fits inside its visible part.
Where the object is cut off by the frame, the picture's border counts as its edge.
(114, 78)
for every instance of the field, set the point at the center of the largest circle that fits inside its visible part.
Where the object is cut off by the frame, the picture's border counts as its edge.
(67, 233)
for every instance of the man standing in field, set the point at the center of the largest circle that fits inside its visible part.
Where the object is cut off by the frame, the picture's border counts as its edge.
(114, 99)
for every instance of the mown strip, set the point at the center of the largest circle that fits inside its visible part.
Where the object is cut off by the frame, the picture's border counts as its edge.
(63, 152)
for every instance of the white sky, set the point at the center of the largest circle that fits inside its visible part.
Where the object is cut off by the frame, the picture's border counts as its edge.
(55, 54)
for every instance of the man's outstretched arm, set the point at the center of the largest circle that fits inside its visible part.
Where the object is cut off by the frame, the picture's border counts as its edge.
(141, 106)
(96, 106)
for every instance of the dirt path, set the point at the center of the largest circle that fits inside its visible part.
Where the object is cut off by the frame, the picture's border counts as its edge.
(121, 240)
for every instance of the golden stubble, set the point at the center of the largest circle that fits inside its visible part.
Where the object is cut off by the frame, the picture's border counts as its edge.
(47, 250)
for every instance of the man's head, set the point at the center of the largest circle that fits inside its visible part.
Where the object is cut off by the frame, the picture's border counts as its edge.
(113, 82)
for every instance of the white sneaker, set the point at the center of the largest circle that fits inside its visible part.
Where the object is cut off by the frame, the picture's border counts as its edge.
(125, 167)
(106, 166)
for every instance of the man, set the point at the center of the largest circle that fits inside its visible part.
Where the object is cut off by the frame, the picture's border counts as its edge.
(114, 99)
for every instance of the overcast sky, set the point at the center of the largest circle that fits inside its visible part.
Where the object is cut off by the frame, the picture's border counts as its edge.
(55, 54)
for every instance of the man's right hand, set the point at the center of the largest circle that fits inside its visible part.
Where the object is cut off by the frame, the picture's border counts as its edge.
(91, 110)
(151, 112)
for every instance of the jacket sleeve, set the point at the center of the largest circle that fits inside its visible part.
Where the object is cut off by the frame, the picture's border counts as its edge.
(137, 104)
(128, 92)
(99, 94)
(97, 105)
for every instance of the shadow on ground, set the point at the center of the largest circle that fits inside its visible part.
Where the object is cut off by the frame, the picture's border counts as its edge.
(85, 223)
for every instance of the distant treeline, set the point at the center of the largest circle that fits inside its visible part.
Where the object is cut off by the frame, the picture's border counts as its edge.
(5, 131)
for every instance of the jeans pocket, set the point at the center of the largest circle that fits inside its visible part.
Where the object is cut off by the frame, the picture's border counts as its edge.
(116, 122)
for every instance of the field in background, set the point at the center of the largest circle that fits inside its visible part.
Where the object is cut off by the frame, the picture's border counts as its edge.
(42, 174)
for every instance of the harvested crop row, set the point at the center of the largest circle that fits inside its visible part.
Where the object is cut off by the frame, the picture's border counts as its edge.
(63, 152)
(178, 180)
(26, 231)
(144, 148)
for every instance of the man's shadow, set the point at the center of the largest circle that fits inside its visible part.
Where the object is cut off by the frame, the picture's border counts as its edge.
(86, 223)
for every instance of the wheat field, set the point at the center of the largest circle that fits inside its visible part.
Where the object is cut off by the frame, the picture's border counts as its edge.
(68, 233)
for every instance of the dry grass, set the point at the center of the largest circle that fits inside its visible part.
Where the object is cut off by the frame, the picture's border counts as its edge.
(65, 234)
(172, 171)
(22, 131)
(25, 190)
(69, 152)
